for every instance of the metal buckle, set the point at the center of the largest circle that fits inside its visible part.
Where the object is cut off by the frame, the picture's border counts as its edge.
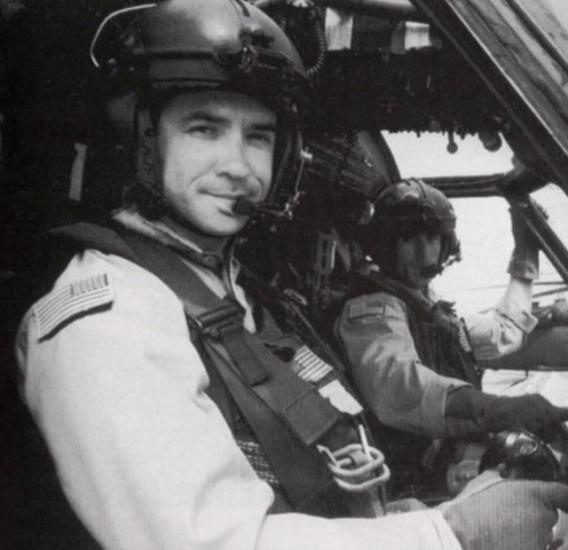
(221, 320)
(357, 467)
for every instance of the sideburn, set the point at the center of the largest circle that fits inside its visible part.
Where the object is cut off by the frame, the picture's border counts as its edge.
(148, 162)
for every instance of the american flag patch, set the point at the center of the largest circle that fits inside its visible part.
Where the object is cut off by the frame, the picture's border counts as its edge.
(62, 305)
(308, 366)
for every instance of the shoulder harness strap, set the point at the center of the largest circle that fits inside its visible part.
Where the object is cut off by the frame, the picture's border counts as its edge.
(220, 322)
(300, 415)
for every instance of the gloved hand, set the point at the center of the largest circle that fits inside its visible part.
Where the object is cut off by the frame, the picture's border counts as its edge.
(493, 413)
(524, 260)
(496, 514)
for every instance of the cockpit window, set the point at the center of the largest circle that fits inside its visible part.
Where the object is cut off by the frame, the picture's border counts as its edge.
(484, 229)
(555, 203)
(427, 155)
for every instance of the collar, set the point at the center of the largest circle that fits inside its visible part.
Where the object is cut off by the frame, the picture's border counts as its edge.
(429, 301)
(427, 298)
(162, 233)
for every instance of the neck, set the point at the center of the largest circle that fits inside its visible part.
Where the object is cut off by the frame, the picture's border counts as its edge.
(421, 289)
(207, 243)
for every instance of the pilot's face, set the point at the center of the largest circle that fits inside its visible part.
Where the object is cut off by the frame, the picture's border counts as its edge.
(215, 148)
(416, 256)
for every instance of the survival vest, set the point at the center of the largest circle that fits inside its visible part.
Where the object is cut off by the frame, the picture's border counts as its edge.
(440, 336)
(442, 343)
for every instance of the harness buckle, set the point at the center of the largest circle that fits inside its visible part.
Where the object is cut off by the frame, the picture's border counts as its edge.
(222, 320)
(357, 467)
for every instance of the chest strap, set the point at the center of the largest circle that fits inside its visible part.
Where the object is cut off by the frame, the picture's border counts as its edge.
(256, 379)
(220, 322)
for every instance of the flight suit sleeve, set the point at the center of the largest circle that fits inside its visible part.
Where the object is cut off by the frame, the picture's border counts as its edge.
(504, 329)
(143, 455)
(401, 391)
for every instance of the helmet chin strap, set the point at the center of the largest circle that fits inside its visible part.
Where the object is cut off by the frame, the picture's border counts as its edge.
(245, 207)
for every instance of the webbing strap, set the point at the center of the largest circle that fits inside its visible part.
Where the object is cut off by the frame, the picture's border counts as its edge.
(301, 416)
(246, 358)
(220, 322)
(297, 402)
(302, 472)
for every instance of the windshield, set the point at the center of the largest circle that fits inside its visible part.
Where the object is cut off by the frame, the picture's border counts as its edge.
(484, 229)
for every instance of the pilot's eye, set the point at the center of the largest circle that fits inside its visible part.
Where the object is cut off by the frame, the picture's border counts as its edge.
(263, 138)
(202, 130)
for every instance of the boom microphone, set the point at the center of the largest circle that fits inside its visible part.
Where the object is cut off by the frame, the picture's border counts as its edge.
(244, 207)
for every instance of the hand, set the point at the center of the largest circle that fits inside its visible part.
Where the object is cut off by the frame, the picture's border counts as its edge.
(519, 228)
(492, 513)
(524, 260)
(493, 413)
(531, 412)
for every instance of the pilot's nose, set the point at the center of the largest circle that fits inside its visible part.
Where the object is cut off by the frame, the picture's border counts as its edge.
(428, 249)
(233, 163)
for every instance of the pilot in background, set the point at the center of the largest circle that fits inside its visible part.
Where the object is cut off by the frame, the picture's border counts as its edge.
(413, 360)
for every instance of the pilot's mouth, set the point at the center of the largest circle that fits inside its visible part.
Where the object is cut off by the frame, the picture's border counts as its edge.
(429, 271)
(227, 196)
(232, 202)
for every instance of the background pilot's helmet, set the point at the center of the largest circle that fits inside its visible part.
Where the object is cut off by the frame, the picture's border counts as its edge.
(148, 53)
(405, 209)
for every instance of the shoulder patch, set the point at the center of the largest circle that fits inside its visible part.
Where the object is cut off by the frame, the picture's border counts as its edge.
(372, 307)
(65, 304)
